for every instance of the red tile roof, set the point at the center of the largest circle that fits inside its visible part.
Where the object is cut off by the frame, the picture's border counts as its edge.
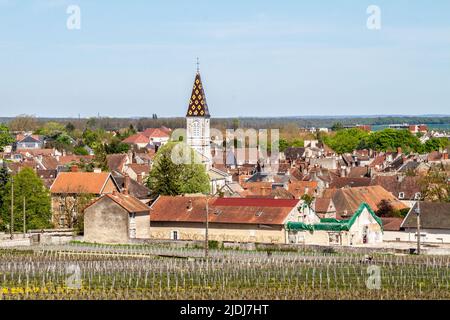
(136, 138)
(128, 202)
(139, 168)
(222, 210)
(80, 182)
(155, 133)
(392, 224)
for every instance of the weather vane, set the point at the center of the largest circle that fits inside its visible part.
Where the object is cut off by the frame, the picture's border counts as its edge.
(198, 64)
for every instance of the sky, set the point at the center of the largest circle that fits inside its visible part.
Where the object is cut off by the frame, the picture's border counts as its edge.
(257, 57)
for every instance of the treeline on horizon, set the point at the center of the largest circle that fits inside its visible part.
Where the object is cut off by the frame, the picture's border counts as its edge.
(140, 124)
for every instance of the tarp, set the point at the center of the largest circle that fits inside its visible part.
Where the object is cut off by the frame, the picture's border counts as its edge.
(330, 224)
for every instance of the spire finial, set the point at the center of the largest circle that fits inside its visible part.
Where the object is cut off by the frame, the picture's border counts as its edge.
(198, 65)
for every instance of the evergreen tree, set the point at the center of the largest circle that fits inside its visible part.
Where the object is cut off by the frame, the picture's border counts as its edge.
(29, 187)
(169, 178)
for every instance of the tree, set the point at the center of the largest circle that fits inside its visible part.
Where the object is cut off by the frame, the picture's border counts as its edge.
(435, 187)
(337, 126)
(169, 178)
(70, 127)
(100, 159)
(23, 123)
(4, 179)
(391, 139)
(116, 146)
(51, 129)
(28, 186)
(385, 209)
(5, 137)
(435, 144)
(346, 140)
(308, 199)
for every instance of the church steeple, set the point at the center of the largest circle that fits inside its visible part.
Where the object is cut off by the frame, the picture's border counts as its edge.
(197, 103)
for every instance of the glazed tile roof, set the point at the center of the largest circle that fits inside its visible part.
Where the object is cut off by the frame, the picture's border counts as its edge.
(197, 103)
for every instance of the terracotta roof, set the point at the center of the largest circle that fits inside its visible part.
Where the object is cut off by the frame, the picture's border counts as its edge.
(299, 188)
(322, 205)
(358, 172)
(116, 161)
(128, 202)
(155, 133)
(396, 184)
(49, 162)
(433, 215)
(434, 156)
(344, 182)
(348, 200)
(80, 182)
(391, 224)
(222, 210)
(136, 138)
(139, 168)
(65, 160)
(21, 137)
(37, 152)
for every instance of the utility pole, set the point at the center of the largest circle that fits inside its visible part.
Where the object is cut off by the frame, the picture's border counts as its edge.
(24, 218)
(11, 225)
(207, 229)
(418, 226)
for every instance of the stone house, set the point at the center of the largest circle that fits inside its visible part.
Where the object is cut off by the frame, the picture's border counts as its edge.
(71, 190)
(230, 219)
(116, 218)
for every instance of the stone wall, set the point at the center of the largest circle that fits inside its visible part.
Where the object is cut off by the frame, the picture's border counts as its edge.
(106, 222)
(218, 232)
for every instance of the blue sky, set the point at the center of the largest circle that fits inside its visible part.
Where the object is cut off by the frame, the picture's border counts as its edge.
(258, 58)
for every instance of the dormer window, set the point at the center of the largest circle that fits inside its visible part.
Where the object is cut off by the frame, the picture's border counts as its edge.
(401, 195)
(417, 196)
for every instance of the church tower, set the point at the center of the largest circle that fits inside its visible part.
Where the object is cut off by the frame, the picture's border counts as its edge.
(198, 122)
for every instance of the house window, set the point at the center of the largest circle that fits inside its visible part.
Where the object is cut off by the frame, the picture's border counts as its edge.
(334, 238)
(62, 221)
(174, 235)
(417, 196)
(401, 195)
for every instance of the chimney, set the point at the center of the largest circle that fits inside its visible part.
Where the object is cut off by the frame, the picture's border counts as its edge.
(74, 168)
(445, 156)
(189, 206)
(126, 184)
(399, 150)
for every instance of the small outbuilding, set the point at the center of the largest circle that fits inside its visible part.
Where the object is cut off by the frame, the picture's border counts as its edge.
(116, 218)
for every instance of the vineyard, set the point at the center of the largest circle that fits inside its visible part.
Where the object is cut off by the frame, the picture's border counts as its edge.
(79, 271)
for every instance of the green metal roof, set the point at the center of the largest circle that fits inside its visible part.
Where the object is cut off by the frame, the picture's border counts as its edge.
(333, 224)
